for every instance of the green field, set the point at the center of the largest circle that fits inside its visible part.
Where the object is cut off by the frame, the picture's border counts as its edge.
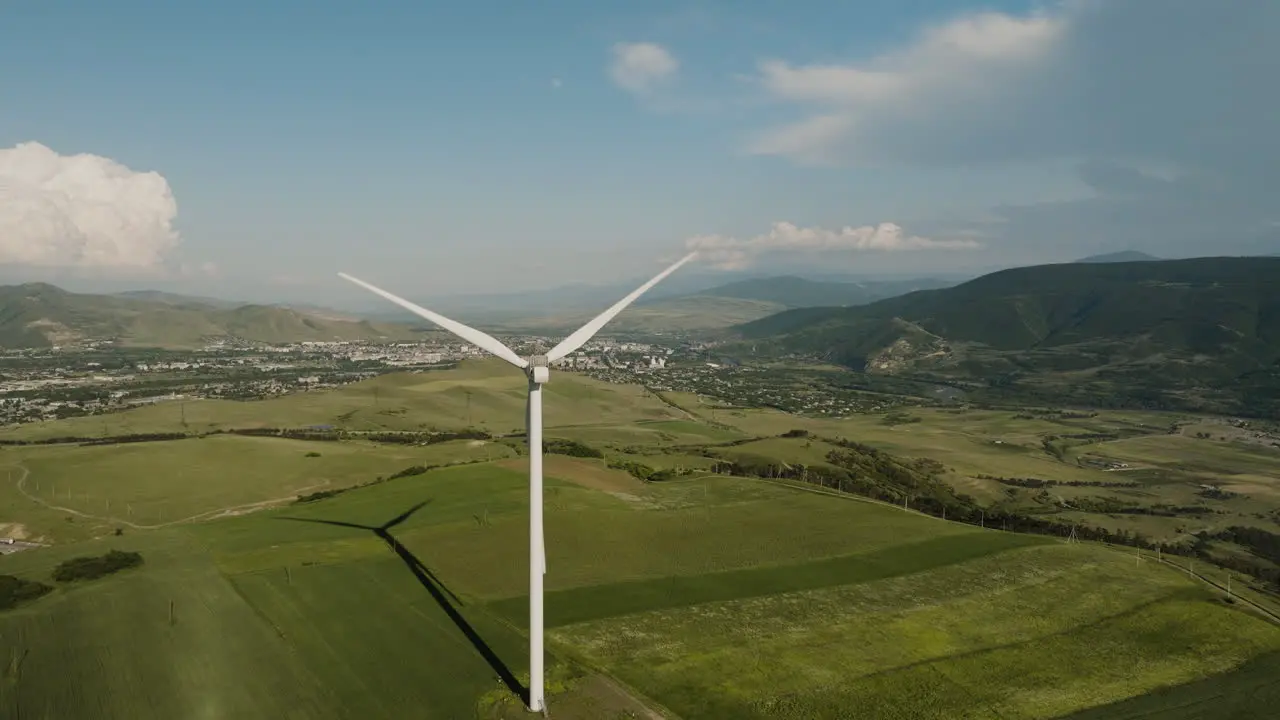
(658, 591)
(1169, 467)
(1013, 635)
(699, 597)
(487, 394)
(149, 485)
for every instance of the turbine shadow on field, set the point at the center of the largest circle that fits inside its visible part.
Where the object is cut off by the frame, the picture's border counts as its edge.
(444, 597)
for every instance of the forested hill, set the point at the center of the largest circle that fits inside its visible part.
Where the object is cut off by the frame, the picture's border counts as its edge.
(1196, 323)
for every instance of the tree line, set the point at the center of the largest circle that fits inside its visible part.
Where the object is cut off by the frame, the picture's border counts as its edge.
(101, 440)
(14, 591)
(318, 435)
(93, 567)
(1035, 483)
(865, 471)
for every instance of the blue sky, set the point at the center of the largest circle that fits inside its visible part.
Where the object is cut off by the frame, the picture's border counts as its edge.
(448, 147)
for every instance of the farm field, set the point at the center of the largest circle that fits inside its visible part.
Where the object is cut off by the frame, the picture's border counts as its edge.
(1166, 467)
(1014, 635)
(702, 596)
(654, 584)
(150, 485)
(360, 640)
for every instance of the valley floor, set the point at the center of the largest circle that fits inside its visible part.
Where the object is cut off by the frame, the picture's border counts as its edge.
(701, 596)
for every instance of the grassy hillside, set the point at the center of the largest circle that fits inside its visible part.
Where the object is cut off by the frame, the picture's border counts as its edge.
(486, 394)
(40, 315)
(1191, 326)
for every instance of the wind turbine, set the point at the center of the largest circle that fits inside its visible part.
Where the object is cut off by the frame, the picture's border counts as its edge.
(536, 368)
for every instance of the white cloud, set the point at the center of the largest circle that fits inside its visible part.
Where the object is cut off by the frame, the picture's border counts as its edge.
(556, 83)
(729, 253)
(970, 62)
(1166, 108)
(83, 211)
(642, 66)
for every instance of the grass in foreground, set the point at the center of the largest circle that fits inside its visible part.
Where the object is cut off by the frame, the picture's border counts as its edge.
(713, 598)
(1032, 633)
(584, 604)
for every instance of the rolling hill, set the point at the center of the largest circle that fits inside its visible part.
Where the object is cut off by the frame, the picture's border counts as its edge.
(1207, 329)
(42, 315)
(168, 298)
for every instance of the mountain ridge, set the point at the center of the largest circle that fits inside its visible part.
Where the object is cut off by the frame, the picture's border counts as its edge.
(1120, 256)
(1190, 325)
(44, 315)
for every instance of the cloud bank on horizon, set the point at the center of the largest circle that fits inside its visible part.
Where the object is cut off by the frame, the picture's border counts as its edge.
(83, 211)
(729, 253)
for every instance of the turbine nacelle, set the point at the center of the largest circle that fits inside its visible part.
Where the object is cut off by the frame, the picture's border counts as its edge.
(538, 369)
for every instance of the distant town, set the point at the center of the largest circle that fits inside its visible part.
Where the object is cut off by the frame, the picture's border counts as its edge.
(101, 377)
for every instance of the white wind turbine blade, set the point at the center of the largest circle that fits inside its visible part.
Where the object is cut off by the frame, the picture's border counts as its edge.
(584, 333)
(470, 334)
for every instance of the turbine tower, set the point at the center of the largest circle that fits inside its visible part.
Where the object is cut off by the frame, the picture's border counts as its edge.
(536, 368)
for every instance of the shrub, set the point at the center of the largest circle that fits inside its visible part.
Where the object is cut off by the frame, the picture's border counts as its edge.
(15, 591)
(318, 495)
(572, 448)
(91, 568)
(640, 471)
(410, 471)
